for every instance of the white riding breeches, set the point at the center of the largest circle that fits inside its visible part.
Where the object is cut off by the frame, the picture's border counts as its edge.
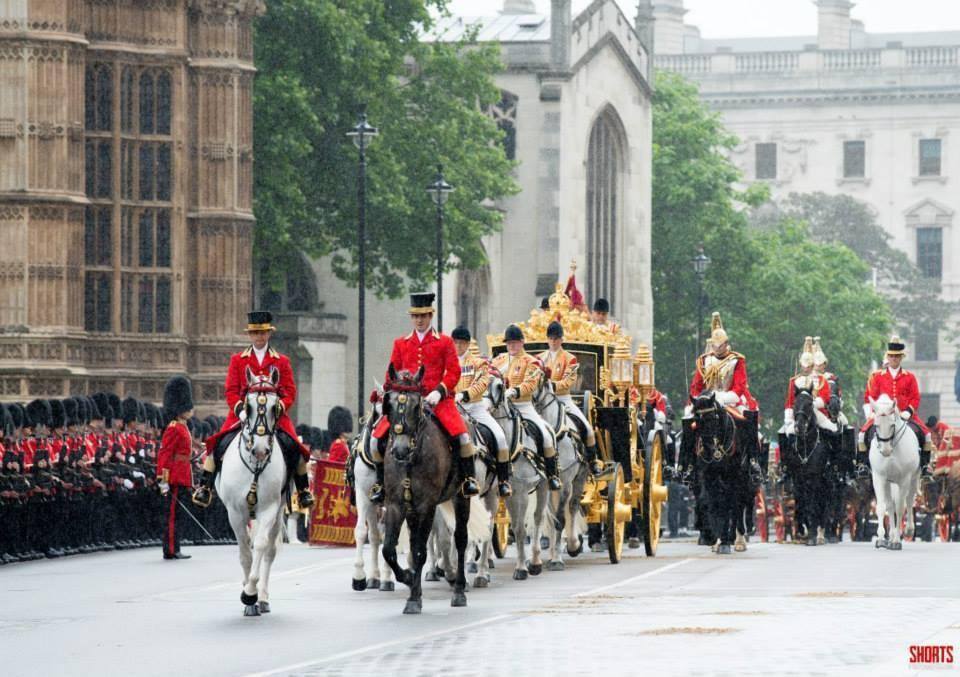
(478, 412)
(575, 411)
(528, 412)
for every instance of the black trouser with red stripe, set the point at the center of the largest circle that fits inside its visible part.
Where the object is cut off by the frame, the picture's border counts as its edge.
(171, 525)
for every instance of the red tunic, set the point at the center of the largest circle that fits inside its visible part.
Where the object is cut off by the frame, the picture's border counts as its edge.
(738, 383)
(174, 455)
(338, 452)
(902, 389)
(823, 393)
(438, 356)
(235, 390)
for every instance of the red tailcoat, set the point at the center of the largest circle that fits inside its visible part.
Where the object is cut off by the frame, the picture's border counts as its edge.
(174, 456)
(823, 393)
(338, 452)
(235, 390)
(438, 356)
(903, 390)
(738, 384)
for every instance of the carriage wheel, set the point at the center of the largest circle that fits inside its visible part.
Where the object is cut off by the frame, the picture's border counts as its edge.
(616, 495)
(501, 530)
(763, 528)
(654, 494)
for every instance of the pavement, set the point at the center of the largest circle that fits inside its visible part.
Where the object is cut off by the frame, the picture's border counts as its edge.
(844, 609)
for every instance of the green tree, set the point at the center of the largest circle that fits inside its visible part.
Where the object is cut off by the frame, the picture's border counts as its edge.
(319, 61)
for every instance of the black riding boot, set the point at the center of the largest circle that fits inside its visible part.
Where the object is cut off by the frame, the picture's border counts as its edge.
(593, 462)
(302, 482)
(203, 496)
(503, 479)
(924, 461)
(553, 475)
(376, 491)
(468, 483)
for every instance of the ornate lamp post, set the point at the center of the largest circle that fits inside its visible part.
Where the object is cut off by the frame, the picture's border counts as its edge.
(362, 135)
(439, 191)
(700, 264)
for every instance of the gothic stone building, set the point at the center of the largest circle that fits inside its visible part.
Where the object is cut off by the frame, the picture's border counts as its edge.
(125, 194)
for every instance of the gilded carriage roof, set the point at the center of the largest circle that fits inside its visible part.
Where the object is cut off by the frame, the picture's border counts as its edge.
(577, 325)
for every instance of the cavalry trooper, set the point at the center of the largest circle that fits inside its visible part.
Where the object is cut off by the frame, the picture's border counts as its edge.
(426, 347)
(474, 379)
(724, 372)
(563, 372)
(807, 378)
(173, 461)
(820, 362)
(522, 373)
(900, 386)
(601, 316)
(259, 358)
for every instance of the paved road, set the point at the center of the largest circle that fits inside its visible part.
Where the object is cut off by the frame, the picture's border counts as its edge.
(775, 610)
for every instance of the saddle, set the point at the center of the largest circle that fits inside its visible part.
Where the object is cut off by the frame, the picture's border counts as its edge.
(533, 430)
(578, 425)
(489, 440)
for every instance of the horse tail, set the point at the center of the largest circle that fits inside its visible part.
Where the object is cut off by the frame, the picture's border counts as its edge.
(478, 526)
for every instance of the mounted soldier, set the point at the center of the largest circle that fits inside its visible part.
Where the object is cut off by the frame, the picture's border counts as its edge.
(522, 373)
(564, 370)
(258, 359)
(900, 386)
(819, 387)
(724, 372)
(470, 391)
(426, 348)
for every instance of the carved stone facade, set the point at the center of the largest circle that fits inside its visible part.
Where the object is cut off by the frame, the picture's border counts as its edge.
(126, 135)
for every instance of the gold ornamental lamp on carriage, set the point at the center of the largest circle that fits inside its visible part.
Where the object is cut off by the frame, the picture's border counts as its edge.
(617, 379)
(643, 372)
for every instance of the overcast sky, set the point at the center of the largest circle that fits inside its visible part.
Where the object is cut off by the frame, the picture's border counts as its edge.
(757, 18)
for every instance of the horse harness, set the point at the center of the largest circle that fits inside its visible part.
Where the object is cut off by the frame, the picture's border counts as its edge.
(259, 428)
(719, 452)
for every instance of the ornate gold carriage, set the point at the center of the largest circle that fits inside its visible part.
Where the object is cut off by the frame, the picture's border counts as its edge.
(613, 389)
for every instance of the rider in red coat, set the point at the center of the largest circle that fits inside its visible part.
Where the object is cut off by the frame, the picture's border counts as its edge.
(173, 461)
(260, 359)
(426, 347)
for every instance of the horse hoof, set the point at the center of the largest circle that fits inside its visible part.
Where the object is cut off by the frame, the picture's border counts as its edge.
(633, 543)
(459, 599)
(471, 567)
(413, 607)
(481, 582)
(373, 583)
(740, 547)
(251, 610)
(896, 546)
(556, 566)
(386, 586)
(723, 549)
(519, 575)
(431, 576)
(535, 569)
(359, 584)
(880, 543)
(264, 607)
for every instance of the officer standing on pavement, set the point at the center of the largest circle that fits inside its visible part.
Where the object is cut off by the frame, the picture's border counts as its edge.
(173, 461)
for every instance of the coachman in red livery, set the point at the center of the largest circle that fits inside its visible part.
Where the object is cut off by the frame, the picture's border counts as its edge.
(259, 358)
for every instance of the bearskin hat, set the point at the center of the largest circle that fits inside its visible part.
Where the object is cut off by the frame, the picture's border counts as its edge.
(115, 407)
(178, 396)
(38, 413)
(303, 432)
(130, 410)
(6, 420)
(70, 411)
(17, 414)
(213, 421)
(340, 420)
(102, 404)
(58, 414)
(149, 414)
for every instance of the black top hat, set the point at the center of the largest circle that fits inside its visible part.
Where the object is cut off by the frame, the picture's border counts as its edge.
(555, 330)
(58, 415)
(513, 333)
(71, 412)
(896, 346)
(38, 413)
(601, 305)
(339, 420)
(260, 320)
(177, 396)
(130, 410)
(461, 333)
(421, 303)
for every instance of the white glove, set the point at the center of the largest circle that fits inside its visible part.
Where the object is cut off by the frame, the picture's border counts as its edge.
(659, 416)
(818, 403)
(789, 428)
(867, 411)
(432, 398)
(164, 488)
(243, 414)
(512, 393)
(138, 474)
(459, 398)
(906, 415)
(788, 416)
(127, 484)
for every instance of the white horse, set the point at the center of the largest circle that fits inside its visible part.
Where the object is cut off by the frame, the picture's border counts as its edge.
(565, 514)
(526, 479)
(895, 463)
(251, 484)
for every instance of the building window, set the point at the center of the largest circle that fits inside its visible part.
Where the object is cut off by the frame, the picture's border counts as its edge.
(98, 98)
(99, 168)
(930, 252)
(96, 297)
(605, 165)
(854, 159)
(926, 348)
(126, 100)
(766, 160)
(98, 226)
(930, 157)
(155, 171)
(505, 115)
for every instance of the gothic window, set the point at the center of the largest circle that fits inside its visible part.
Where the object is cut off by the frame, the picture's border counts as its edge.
(163, 171)
(854, 159)
(162, 296)
(126, 99)
(126, 169)
(98, 250)
(155, 171)
(930, 252)
(145, 302)
(147, 112)
(99, 168)
(504, 114)
(164, 103)
(605, 167)
(147, 175)
(126, 236)
(98, 97)
(766, 160)
(96, 301)
(146, 238)
(163, 239)
(930, 157)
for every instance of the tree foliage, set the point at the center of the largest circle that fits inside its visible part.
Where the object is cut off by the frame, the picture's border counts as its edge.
(772, 286)
(319, 62)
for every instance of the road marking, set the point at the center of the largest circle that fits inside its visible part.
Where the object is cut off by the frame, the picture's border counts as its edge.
(447, 631)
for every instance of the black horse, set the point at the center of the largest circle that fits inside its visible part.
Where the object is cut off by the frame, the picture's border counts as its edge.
(722, 463)
(807, 456)
(420, 473)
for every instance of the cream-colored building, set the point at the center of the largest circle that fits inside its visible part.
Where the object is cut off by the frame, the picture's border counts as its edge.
(576, 107)
(873, 116)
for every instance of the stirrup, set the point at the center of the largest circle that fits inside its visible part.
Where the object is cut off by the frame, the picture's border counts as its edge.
(504, 489)
(469, 487)
(305, 498)
(554, 483)
(202, 497)
(376, 493)
(597, 467)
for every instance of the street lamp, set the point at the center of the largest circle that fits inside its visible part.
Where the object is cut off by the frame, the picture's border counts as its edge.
(439, 191)
(361, 135)
(700, 264)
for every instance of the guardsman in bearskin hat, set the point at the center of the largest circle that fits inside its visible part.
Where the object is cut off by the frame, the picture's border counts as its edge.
(260, 357)
(474, 379)
(900, 386)
(339, 427)
(426, 347)
(564, 370)
(522, 373)
(173, 461)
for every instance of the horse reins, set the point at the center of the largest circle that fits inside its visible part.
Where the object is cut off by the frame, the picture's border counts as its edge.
(258, 428)
(719, 452)
(806, 447)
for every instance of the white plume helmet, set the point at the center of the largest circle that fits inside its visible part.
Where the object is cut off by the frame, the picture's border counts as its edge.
(806, 355)
(819, 358)
(717, 334)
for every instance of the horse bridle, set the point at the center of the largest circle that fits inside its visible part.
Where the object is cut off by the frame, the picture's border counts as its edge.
(401, 427)
(809, 450)
(719, 452)
(896, 434)
(257, 427)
